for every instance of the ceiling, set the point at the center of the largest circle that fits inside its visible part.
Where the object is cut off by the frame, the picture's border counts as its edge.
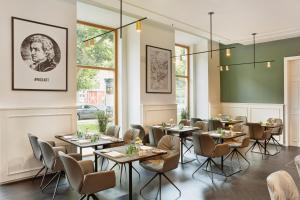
(233, 21)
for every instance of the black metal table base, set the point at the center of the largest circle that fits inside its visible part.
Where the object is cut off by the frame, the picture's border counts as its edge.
(227, 170)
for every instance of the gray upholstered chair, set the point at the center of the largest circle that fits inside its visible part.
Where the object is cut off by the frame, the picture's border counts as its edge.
(53, 163)
(277, 131)
(297, 163)
(37, 151)
(83, 179)
(205, 146)
(202, 125)
(155, 134)
(281, 186)
(162, 164)
(257, 133)
(214, 124)
(113, 131)
(194, 120)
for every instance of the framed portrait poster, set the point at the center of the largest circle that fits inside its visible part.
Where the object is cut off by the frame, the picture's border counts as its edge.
(158, 70)
(39, 56)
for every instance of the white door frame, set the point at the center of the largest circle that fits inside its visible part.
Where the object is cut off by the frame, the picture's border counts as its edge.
(286, 98)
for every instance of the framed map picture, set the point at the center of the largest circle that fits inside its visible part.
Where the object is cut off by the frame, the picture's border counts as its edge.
(158, 70)
(39, 56)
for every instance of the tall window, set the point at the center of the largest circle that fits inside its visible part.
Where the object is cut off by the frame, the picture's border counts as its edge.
(182, 80)
(96, 76)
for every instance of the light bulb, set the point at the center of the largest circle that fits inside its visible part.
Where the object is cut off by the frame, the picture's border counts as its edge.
(228, 53)
(138, 26)
(268, 64)
(227, 68)
(221, 68)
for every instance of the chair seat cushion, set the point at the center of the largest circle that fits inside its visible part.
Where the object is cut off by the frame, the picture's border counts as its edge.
(153, 165)
(234, 144)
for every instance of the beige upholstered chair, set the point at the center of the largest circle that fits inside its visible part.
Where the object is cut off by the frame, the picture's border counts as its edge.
(185, 122)
(142, 131)
(236, 145)
(297, 163)
(162, 164)
(37, 151)
(205, 146)
(113, 131)
(214, 124)
(194, 120)
(202, 125)
(129, 138)
(257, 133)
(241, 118)
(281, 186)
(277, 131)
(155, 134)
(83, 179)
(52, 162)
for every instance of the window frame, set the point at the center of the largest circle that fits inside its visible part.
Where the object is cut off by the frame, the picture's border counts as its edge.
(114, 69)
(187, 77)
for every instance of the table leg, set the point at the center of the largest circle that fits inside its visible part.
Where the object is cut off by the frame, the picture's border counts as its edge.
(80, 151)
(265, 148)
(222, 158)
(130, 180)
(181, 150)
(96, 161)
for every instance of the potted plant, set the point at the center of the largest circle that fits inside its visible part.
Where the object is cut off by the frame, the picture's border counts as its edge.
(184, 114)
(102, 121)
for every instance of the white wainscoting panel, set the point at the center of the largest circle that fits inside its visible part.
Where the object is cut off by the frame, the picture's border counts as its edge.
(153, 114)
(255, 112)
(17, 161)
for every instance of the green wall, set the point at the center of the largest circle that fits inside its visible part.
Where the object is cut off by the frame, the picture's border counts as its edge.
(244, 84)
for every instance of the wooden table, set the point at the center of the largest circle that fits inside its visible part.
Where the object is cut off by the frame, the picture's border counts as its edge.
(230, 135)
(182, 133)
(128, 159)
(227, 123)
(104, 140)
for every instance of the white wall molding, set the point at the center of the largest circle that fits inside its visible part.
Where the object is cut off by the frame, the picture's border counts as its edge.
(37, 108)
(153, 114)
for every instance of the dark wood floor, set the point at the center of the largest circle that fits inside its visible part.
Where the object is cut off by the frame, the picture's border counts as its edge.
(249, 184)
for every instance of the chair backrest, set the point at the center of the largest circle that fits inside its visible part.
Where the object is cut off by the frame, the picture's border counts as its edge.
(279, 128)
(48, 154)
(155, 134)
(281, 186)
(241, 118)
(256, 131)
(297, 163)
(35, 146)
(204, 144)
(185, 122)
(73, 170)
(194, 120)
(172, 145)
(202, 125)
(140, 128)
(130, 135)
(113, 131)
(214, 124)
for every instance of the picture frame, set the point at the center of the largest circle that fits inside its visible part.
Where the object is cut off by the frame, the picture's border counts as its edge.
(158, 70)
(39, 56)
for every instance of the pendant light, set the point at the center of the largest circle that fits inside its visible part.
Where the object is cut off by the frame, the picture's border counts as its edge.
(138, 23)
(211, 50)
(268, 62)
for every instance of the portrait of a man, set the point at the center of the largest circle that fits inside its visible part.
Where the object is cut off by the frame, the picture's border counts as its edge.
(40, 52)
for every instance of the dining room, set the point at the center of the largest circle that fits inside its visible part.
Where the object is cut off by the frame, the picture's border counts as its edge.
(130, 99)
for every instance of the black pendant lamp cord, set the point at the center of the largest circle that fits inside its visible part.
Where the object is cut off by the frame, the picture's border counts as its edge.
(210, 14)
(254, 57)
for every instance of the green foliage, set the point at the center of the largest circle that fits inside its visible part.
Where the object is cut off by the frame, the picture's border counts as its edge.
(184, 114)
(102, 121)
(86, 79)
(101, 54)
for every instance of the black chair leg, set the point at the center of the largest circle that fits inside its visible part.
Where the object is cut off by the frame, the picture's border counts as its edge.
(82, 197)
(148, 183)
(206, 161)
(136, 172)
(36, 175)
(93, 196)
(243, 157)
(52, 179)
(56, 186)
(43, 178)
(172, 184)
